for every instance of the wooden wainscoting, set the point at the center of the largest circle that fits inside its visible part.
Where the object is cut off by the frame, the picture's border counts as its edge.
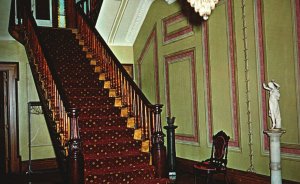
(235, 176)
(39, 165)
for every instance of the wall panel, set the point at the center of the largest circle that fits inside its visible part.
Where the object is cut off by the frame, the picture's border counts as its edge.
(179, 86)
(280, 62)
(220, 69)
(148, 68)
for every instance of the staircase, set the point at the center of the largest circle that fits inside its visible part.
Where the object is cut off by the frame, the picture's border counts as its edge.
(103, 128)
(111, 154)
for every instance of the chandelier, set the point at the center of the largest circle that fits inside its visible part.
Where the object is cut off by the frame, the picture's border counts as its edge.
(203, 7)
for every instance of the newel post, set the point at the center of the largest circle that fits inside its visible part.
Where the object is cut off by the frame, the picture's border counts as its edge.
(171, 151)
(158, 147)
(75, 164)
(70, 13)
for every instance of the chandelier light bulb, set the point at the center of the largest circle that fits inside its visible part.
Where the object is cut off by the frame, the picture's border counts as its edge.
(203, 7)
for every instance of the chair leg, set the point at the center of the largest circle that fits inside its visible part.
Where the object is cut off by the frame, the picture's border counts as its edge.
(208, 179)
(226, 178)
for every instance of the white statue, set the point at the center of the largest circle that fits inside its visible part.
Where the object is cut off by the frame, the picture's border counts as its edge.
(274, 111)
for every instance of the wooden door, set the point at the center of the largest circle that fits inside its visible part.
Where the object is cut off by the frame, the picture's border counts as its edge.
(10, 160)
(3, 124)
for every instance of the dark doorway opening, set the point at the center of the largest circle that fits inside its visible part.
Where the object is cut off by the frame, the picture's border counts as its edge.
(42, 9)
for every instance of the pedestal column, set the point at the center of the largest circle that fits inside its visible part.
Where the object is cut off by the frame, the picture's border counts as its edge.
(275, 165)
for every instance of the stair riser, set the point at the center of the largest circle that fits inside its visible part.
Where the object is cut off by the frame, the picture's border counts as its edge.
(118, 162)
(100, 112)
(86, 92)
(106, 149)
(92, 102)
(101, 123)
(120, 178)
(105, 134)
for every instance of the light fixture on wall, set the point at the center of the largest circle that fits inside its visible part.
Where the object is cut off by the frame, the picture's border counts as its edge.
(203, 7)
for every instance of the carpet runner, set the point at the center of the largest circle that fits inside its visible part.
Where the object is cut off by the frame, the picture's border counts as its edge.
(111, 155)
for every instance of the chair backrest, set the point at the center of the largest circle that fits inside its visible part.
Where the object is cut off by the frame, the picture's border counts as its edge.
(220, 148)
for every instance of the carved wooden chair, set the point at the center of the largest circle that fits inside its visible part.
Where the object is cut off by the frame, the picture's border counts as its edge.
(217, 163)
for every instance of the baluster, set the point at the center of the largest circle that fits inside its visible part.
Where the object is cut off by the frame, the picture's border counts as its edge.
(145, 127)
(141, 118)
(146, 133)
(124, 89)
(134, 108)
(131, 101)
(118, 81)
(158, 147)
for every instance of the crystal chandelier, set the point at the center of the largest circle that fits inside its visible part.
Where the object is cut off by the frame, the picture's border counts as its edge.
(203, 7)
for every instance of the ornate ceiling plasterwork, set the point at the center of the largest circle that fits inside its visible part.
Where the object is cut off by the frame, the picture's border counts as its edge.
(120, 21)
(138, 20)
(117, 21)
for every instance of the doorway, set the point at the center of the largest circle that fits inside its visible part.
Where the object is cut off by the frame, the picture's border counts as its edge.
(10, 159)
(42, 12)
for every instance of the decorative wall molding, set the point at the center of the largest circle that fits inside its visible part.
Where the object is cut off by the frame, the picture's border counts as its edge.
(178, 34)
(288, 150)
(138, 20)
(235, 176)
(151, 37)
(181, 56)
(234, 141)
(40, 164)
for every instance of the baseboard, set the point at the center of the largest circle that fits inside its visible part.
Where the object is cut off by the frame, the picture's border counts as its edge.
(40, 165)
(235, 176)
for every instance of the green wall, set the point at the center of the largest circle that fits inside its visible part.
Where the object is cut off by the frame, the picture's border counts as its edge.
(199, 75)
(12, 51)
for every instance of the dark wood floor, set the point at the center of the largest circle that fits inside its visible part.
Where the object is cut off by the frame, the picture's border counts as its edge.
(53, 177)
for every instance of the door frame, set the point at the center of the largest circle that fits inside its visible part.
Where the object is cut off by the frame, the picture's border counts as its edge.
(47, 23)
(12, 69)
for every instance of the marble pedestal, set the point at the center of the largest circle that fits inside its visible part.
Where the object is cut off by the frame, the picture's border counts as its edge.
(275, 166)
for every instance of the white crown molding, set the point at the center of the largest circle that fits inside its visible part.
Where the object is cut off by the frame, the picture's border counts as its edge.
(170, 1)
(117, 21)
(138, 20)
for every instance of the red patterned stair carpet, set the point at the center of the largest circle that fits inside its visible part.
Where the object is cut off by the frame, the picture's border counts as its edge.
(111, 155)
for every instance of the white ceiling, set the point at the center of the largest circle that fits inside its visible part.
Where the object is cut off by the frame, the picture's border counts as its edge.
(119, 21)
